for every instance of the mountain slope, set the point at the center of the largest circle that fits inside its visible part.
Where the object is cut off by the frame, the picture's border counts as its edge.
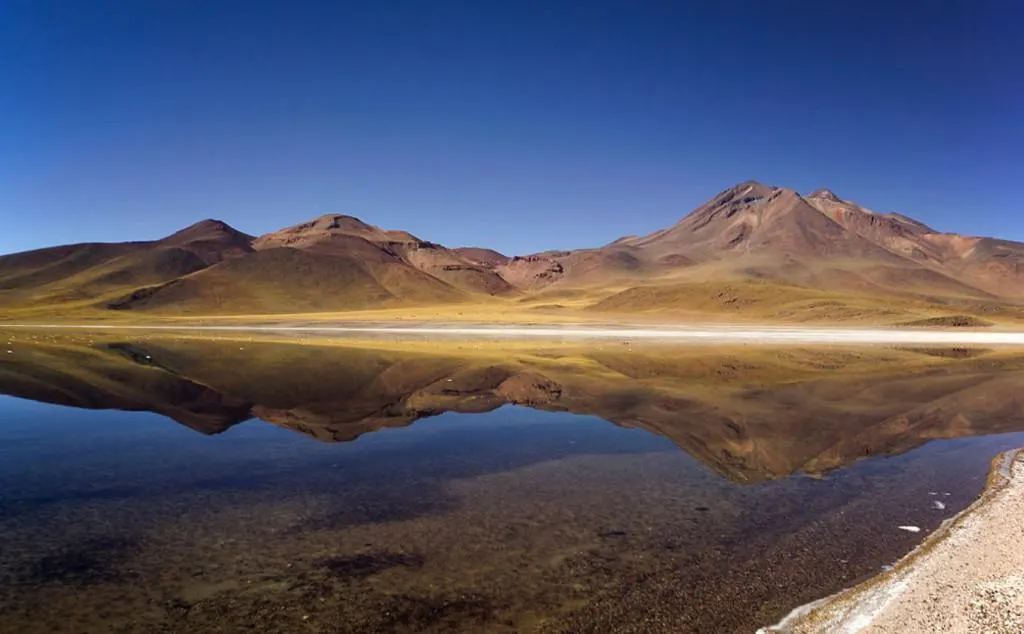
(331, 263)
(756, 232)
(996, 266)
(753, 249)
(347, 236)
(263, 282)
(992, 265)
(752, 218)
(211, 240)
(88, 273)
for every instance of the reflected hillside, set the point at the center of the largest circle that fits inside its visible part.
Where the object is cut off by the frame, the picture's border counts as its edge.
(749, 415)
(110, 377)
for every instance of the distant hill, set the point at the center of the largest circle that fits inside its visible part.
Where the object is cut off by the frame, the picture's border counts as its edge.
(753, 248)
(756, 232)
(92, 273)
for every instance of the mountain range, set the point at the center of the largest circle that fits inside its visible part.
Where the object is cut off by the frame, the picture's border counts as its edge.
(752, 250)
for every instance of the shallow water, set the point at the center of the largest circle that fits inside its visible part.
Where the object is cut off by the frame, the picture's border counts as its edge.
(470, 493)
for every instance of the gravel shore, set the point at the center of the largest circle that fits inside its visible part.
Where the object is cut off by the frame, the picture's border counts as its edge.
(966, 577)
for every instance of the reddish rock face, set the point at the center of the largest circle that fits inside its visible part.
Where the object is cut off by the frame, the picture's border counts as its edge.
(334, 262)
(819, 240)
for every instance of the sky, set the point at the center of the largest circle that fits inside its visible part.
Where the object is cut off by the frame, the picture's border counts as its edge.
(522, 126)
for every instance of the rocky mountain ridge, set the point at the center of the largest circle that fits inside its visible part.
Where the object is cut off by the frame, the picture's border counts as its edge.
(748, 232)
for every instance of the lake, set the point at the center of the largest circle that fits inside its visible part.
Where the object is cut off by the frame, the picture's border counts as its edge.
(167, 484)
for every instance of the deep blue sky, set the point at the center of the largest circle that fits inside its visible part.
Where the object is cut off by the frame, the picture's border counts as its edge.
(518, 125)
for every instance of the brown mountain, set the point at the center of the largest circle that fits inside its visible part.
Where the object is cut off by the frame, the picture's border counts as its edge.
(756, 232)
(384, 253)
(89, 274)
(995, 266)
(752, 250)
(332, 263)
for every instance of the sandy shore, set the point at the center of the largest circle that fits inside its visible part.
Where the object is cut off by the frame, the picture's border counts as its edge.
(716, 333)
(966, 577)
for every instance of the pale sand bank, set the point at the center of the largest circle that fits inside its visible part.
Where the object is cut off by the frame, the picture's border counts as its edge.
(967, 577)
(718, 333)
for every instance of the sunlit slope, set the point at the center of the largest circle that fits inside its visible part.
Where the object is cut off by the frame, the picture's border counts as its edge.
(285, 278)
(753, 252)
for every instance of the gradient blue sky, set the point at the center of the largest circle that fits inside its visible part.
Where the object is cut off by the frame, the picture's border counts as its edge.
(518, 125)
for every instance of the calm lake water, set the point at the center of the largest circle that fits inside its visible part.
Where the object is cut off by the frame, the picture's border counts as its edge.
(180, 486)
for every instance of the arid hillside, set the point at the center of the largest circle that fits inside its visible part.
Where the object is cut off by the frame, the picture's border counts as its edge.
(752, 251)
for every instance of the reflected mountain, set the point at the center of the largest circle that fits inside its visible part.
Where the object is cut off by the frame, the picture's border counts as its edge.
(113, 377)
(750, 415)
